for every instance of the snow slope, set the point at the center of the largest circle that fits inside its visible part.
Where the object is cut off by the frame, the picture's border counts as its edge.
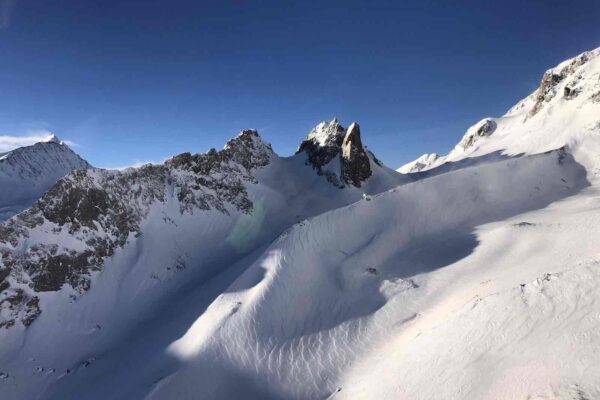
(331, 291)
(27, 172)
(473, 279)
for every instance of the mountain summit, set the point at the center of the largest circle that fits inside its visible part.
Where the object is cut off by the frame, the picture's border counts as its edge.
(27, 172)
(338, 153)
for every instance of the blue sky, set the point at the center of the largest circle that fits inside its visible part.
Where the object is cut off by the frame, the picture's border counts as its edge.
(131, 81)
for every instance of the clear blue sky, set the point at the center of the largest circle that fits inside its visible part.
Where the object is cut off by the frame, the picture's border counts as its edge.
(142, 80)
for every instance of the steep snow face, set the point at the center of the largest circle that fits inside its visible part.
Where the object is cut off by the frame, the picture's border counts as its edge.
(420, 164)
(564, 110)
(27, 172)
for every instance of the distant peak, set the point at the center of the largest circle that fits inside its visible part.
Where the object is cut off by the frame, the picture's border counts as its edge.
(425, 162)
(249, 144)
(53, 139)
(249, 132)
(247, 136)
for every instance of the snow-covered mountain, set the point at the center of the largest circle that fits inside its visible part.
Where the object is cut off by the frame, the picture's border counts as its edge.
(562, 111)
(104, 248)
(242, 274)
(420, 164)
(27, 172)
(239, 198)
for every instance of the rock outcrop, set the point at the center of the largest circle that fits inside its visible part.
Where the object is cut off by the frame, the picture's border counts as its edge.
(553, 78)
(482, 129)
(356, 167)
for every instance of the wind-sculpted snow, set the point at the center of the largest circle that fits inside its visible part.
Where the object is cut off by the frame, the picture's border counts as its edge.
(328, 286)
(539, 340)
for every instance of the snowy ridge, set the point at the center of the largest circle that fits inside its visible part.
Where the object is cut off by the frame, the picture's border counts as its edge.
(27, 172)
(56, 248)
(420, 164)
(89, 214)
(562, 111)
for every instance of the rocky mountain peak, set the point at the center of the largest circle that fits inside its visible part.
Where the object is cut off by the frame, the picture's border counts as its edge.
(337, 153)
(325, 134)
(248, 149)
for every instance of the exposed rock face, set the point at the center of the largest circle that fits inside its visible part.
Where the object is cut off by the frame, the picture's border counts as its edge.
(329, 143)
(98, 211)
(569, 93)
(356, 167)
(321, 146)
(551, 80)
(482, 129)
